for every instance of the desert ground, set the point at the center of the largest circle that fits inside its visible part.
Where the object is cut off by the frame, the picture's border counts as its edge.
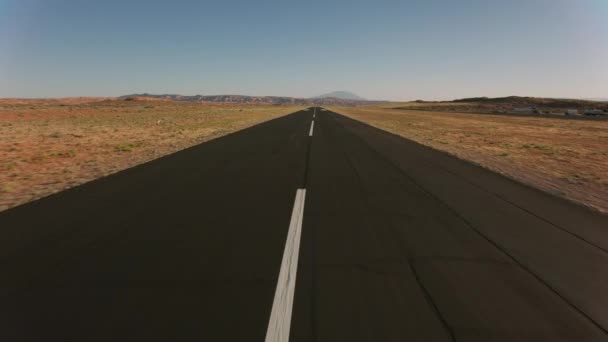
(568, 158)
(51, 145)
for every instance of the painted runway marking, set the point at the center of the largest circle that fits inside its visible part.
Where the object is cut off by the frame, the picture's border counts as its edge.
(312, 125)
(280, 316)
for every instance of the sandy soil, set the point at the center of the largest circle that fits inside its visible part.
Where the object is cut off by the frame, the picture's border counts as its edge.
(568, 158)
(48, 146)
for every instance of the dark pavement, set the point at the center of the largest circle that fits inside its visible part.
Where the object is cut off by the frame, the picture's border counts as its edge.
(399, 243)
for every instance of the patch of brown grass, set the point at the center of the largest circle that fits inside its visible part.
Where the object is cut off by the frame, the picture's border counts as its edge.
(48, 146)
(565, 157)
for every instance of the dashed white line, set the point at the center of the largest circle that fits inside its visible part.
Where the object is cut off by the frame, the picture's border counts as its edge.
(280, 316)
(312, 126)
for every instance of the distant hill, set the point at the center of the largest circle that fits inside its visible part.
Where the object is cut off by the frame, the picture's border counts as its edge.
(244, 99)
(56, 100)
(345, 95)
(530, 101)
(508, 105)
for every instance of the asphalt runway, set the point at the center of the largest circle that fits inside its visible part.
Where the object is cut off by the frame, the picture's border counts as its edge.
(289, 230)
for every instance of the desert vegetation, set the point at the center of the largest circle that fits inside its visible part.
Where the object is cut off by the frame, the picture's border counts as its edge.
(50, 145)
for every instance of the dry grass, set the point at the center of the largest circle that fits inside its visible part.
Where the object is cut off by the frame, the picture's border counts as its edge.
(565, 157)
(48, 146)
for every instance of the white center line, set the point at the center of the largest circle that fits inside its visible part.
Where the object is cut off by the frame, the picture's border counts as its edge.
(312, 125)
(280, 316)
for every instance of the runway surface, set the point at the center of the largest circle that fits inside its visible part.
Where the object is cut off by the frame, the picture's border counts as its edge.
(302, 231)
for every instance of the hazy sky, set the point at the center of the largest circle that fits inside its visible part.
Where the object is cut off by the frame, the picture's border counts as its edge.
(379, 49)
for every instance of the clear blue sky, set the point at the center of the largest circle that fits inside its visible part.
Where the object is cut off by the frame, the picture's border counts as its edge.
(379, 49)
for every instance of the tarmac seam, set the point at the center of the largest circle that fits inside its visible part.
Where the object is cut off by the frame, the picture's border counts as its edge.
(408, 260)
(529, 212)
(431, 302)
(495, 244)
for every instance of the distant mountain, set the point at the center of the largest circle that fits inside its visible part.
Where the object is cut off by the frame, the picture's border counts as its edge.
(216, 98)
(275, 100)
(345, 95)
(597, 99)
